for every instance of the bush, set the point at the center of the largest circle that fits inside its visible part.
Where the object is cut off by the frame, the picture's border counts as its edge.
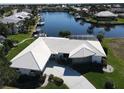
(109, 85)
(104, 62)
(7, 75)
(64, 33)
(42, 78)
(50, 79)
(106, 50)
(100, 37)
(58, 81)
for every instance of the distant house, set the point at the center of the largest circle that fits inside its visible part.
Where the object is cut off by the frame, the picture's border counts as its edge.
(85, 10)
(2, 38)
(117, 9)
(105, 15)
(35, 57)
(15, 19)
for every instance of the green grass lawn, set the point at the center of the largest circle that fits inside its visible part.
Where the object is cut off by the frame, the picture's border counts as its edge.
(54, 86)
(19, 37)
(120, 20)
(14, 51)
(99, 79)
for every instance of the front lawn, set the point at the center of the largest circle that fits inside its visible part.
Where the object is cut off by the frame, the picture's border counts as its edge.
(98, 78)
(14, 51)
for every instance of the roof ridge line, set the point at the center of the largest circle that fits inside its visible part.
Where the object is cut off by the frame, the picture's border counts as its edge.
(77, 50)
(32, 57)
(95, 47)
(35, 60)
(46, 45)
(82, 48)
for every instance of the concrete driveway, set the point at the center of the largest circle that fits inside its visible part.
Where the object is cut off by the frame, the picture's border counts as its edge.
(71, 78)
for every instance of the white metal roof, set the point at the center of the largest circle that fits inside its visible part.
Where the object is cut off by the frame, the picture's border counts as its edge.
(65, 45)
(81, 51)
(36, 55)
(106, 14)
(15, 17)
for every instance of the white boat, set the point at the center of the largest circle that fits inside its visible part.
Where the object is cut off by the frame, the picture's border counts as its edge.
(41, 23)
(78, 17)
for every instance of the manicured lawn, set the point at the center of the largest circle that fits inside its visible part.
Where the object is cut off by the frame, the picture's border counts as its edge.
(98, 79)
(14, 51)
(54, 86)
(120, 20)
(19, 37)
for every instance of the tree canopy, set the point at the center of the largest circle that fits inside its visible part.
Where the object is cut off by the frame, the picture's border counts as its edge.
(64, 33)
(7, 74)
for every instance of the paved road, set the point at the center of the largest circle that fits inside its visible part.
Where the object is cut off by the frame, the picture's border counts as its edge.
(71, 78)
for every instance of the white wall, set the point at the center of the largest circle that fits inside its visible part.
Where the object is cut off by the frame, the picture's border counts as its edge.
(96, 59)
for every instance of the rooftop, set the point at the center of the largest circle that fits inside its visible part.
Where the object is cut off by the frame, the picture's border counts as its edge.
(39, 52)
(15, 18)
(105, 14)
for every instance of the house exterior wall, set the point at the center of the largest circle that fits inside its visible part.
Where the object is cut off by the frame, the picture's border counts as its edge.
(24, 71)
(96, 59)
(80, 60)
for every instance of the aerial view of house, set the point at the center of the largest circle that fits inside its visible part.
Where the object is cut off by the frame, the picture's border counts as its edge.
(62, 46)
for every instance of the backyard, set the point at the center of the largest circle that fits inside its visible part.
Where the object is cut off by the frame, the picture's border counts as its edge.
(15, 50)
(115, 59)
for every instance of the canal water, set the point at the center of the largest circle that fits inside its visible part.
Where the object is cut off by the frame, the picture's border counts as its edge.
(62, 21)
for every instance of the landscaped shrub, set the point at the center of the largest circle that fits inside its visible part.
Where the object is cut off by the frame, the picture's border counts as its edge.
(100, 37)
(104, 62)
(42, 78)
(50, 79)
(27, 81)
(109, 85)
(58, 81)
(106, 50)
(64, 33)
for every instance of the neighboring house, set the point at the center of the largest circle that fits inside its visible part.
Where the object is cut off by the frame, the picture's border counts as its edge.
(2, 38)
(121, 15)
(117, 9)
(35, 57)
(105, 16)
(15, 19)
(85, 10)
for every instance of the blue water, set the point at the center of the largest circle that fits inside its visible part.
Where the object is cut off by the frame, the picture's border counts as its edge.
(61, 21)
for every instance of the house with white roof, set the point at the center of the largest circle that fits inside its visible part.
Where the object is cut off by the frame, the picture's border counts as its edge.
(105, 15)
(44, 49)
(16, 19)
